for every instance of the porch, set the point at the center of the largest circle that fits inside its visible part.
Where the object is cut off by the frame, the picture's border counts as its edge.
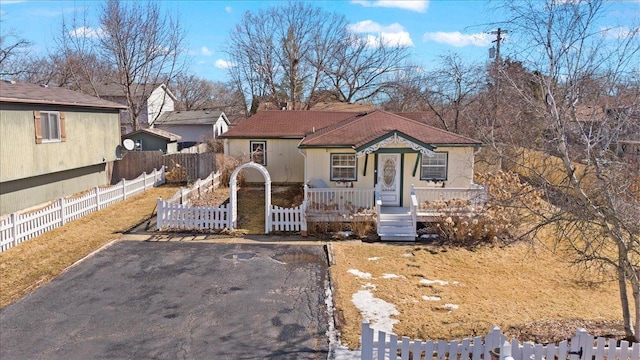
(394, 223)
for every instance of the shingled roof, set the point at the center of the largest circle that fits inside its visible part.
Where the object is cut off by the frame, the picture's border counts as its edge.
(341, 129)
(191, 117)
(367, 128)
(157, 133)
(15, 92)
(293, 124)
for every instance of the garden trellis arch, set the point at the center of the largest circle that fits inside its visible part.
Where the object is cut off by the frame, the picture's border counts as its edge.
(233, 195)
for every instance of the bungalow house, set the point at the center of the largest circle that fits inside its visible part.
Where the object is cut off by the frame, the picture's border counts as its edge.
(54, 142)
(194, 126)
(154, 140)
(355, 164)
(150, 100)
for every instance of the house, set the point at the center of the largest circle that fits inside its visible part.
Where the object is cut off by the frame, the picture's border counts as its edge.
(151, 100)
(153, 140)
(194, 126)
(353, 162)
(54, 142)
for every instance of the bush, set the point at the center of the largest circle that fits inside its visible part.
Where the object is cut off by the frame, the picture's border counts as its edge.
(226, 166)
(510, 203)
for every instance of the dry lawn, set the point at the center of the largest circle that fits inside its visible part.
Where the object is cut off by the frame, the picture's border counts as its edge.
(39, 260)
(531, 295)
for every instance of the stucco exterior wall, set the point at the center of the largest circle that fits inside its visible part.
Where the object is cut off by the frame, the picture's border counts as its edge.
(284, 162)
(91, 139)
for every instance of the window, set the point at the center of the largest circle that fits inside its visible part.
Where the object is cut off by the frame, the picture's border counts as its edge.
(434, 168)
(49, 126)
(259, 152)
(343, 167)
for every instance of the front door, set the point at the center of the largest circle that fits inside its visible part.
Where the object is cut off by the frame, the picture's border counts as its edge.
(389, 179)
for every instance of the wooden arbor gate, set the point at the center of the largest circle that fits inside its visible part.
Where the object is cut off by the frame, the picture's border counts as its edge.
(233, 195)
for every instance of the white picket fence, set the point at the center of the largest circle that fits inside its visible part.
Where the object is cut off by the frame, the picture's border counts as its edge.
(288, 219)
(19, 227)
(199, 187)
(581, 347)
(177, 213)
(184, 217)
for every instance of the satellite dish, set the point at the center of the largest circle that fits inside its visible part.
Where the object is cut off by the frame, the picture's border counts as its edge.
(128, 144)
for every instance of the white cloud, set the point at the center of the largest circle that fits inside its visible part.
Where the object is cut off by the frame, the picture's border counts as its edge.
(87, 32)
(420, 6)
(228, 9)
(620, 32)
(458, 39)
(223, 64)
(393, 35)
(369, 26)
(205, 51)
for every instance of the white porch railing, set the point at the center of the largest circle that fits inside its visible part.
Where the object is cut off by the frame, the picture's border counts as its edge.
(581, 347)
(476, 196)
(347, 200)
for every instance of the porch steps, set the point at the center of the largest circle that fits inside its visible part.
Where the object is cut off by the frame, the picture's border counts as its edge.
(395, 224)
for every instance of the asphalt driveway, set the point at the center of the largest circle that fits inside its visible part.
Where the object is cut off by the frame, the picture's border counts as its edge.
(173, 300)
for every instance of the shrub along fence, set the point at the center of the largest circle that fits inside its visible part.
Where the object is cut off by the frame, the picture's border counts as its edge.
(581, 347)
(21, 226)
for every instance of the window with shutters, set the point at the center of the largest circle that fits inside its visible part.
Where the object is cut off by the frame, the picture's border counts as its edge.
(49, 126)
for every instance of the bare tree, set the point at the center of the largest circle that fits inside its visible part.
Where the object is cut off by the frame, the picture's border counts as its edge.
(451, 89)
(193, 93)
(579, 68)
(276, 51)
(361, 70)
(12, 49)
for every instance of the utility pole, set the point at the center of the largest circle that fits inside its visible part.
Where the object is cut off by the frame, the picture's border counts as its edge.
(498, 39)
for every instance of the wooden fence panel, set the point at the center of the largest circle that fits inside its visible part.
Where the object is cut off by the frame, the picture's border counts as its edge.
(195, 166)
(134, 163)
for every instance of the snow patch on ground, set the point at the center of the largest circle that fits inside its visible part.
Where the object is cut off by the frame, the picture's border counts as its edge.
(377, 311)
(451, 306)
(360, 274)
(375, 258)
(431, 298)
(392, 276)
(431, 282)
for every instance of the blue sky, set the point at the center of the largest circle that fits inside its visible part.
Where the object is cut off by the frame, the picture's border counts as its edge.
(430, 28)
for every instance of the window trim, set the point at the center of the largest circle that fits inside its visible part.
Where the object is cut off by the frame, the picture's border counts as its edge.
(446, 167)
(355, 167)
(39, 135)
(264, 151)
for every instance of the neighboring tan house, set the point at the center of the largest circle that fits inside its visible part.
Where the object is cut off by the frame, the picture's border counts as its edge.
(346, 158)
(154, 100)
(54, 142)
(154, 140)
(194, 126)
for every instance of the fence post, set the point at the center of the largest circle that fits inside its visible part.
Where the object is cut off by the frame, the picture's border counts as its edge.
(14, 223)
(63, 220)
(159, 214)
(124, 189)
(97, 190)
(579, 347)
(367, 341)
